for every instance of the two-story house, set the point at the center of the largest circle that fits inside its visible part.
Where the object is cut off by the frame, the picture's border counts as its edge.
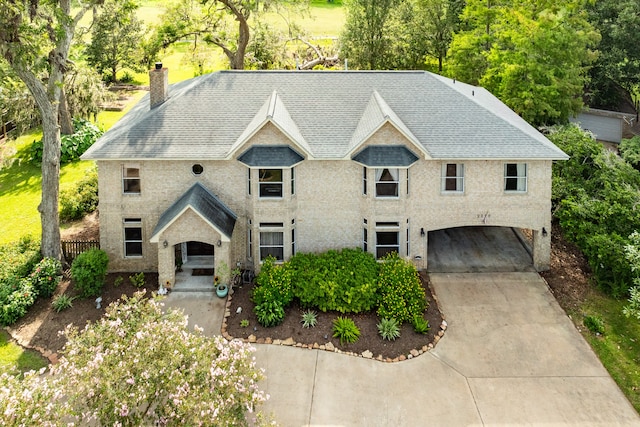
(239, 165)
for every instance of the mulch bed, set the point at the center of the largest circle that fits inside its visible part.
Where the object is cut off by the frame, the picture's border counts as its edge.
(410, 343)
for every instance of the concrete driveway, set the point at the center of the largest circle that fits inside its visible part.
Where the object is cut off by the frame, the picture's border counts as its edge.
(510, 356)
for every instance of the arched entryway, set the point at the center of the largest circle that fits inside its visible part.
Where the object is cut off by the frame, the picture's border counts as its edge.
(479, 249)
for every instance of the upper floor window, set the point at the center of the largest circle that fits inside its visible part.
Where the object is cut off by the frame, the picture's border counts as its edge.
(293, 181)
(270, 182)
(132, 237)
(453, 177)
(131, 179)
(515, 177)
(197, 169)
(387, 182)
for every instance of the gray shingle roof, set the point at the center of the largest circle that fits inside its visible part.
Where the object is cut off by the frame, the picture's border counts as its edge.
(203, 202)
(270, 156)
(325, 113)
(385, 156)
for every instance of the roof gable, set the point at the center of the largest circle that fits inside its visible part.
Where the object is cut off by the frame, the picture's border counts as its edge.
(206, 205)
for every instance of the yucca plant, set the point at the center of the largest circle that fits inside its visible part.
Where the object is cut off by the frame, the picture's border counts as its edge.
(62, 302)
(389, 329)
(346, 330)
(309, 319)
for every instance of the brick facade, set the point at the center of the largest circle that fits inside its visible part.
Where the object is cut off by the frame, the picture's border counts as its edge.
(328, 208)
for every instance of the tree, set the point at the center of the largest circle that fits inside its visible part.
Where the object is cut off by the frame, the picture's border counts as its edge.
(35, 38)
(367, 41)
(617, 69)
(115, 37)
(533, 55)
(138, 366)
(223, 23)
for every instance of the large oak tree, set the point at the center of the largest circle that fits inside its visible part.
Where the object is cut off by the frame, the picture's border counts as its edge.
(35, 38)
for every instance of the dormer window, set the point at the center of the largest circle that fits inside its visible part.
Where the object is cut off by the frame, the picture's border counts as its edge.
(270, 183)
(387, 182)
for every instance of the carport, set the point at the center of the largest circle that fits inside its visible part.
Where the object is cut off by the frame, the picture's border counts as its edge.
(478, 249)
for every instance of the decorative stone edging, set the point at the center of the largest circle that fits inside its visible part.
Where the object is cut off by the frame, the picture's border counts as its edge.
(329, 346)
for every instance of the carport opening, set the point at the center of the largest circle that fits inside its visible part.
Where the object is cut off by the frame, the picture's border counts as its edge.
(479, 249)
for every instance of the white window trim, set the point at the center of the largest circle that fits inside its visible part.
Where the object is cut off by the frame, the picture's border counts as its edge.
(522, 181)
(271, 228)
(281, 182)
(384, 226)
(459, 178)
(396, 181)
(125, 178)
(132, 223)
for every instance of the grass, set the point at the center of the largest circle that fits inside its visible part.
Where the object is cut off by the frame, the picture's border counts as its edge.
(619, 347)
(12, 356)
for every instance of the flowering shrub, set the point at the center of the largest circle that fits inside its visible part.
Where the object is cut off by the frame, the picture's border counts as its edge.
(402, 296)
(18, 259)
(88, 271)
(46, 276)
(138, 366)
(16, 301)
(273, 284)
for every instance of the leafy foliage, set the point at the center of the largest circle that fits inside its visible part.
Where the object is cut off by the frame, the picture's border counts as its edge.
(17, 296)
(80, 200)
(594, 324)
(88, 272)
(630, 151)
(389, 329)
(346, 330)
(420, 325)
(273, 284)
(122, 370)
(344, 281)
(62, 302)
(595, 194)
(46, 276)
(72, 146)
(402, 294)
(137, 279)
(309, 319)
(17, 292)
(269, 313)
(532, 56)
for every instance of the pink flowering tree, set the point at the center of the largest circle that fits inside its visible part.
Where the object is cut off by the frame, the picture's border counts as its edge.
(139, 365)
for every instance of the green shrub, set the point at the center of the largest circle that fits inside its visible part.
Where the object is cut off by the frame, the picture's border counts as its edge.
(62, 302)
(309, 319)
(346, 330)
(119, 281)
(17, 302)
(46, 276)
(18, 259)
(273, 284)
(269, 313)
(595, 324)
(244, 323)
(633, 308)
(420, 325)
(402, 296)
(345, 281)
(80, 200)
(389, 329)
(72, 146)
(88, 271)
(137, 280)
(610, 267)
(630, 151)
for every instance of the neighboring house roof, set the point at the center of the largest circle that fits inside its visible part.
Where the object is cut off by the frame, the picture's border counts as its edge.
(270, 156)
(327, 114)
(203, 203)
(385, 156)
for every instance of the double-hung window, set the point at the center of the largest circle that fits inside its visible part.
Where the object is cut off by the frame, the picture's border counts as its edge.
(387, 238)
(271, 240)
(515, 177)
(131, 179)
(387, 182)
(132, 237)
(270, 183)
(453, 177)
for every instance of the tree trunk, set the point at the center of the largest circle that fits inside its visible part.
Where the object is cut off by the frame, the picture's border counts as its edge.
(48, 208)
(64, 116)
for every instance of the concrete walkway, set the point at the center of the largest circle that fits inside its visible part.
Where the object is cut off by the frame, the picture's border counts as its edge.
(509, 357)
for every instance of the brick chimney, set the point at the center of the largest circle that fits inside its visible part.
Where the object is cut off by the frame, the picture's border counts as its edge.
(158, 85)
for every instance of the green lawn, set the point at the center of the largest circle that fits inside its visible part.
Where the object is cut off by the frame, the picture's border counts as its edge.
(619, 348)
(12, 356)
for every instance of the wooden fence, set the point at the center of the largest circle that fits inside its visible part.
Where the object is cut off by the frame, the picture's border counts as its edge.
(71, 249)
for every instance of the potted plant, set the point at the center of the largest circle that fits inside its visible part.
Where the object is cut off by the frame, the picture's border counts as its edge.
(221, 279)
